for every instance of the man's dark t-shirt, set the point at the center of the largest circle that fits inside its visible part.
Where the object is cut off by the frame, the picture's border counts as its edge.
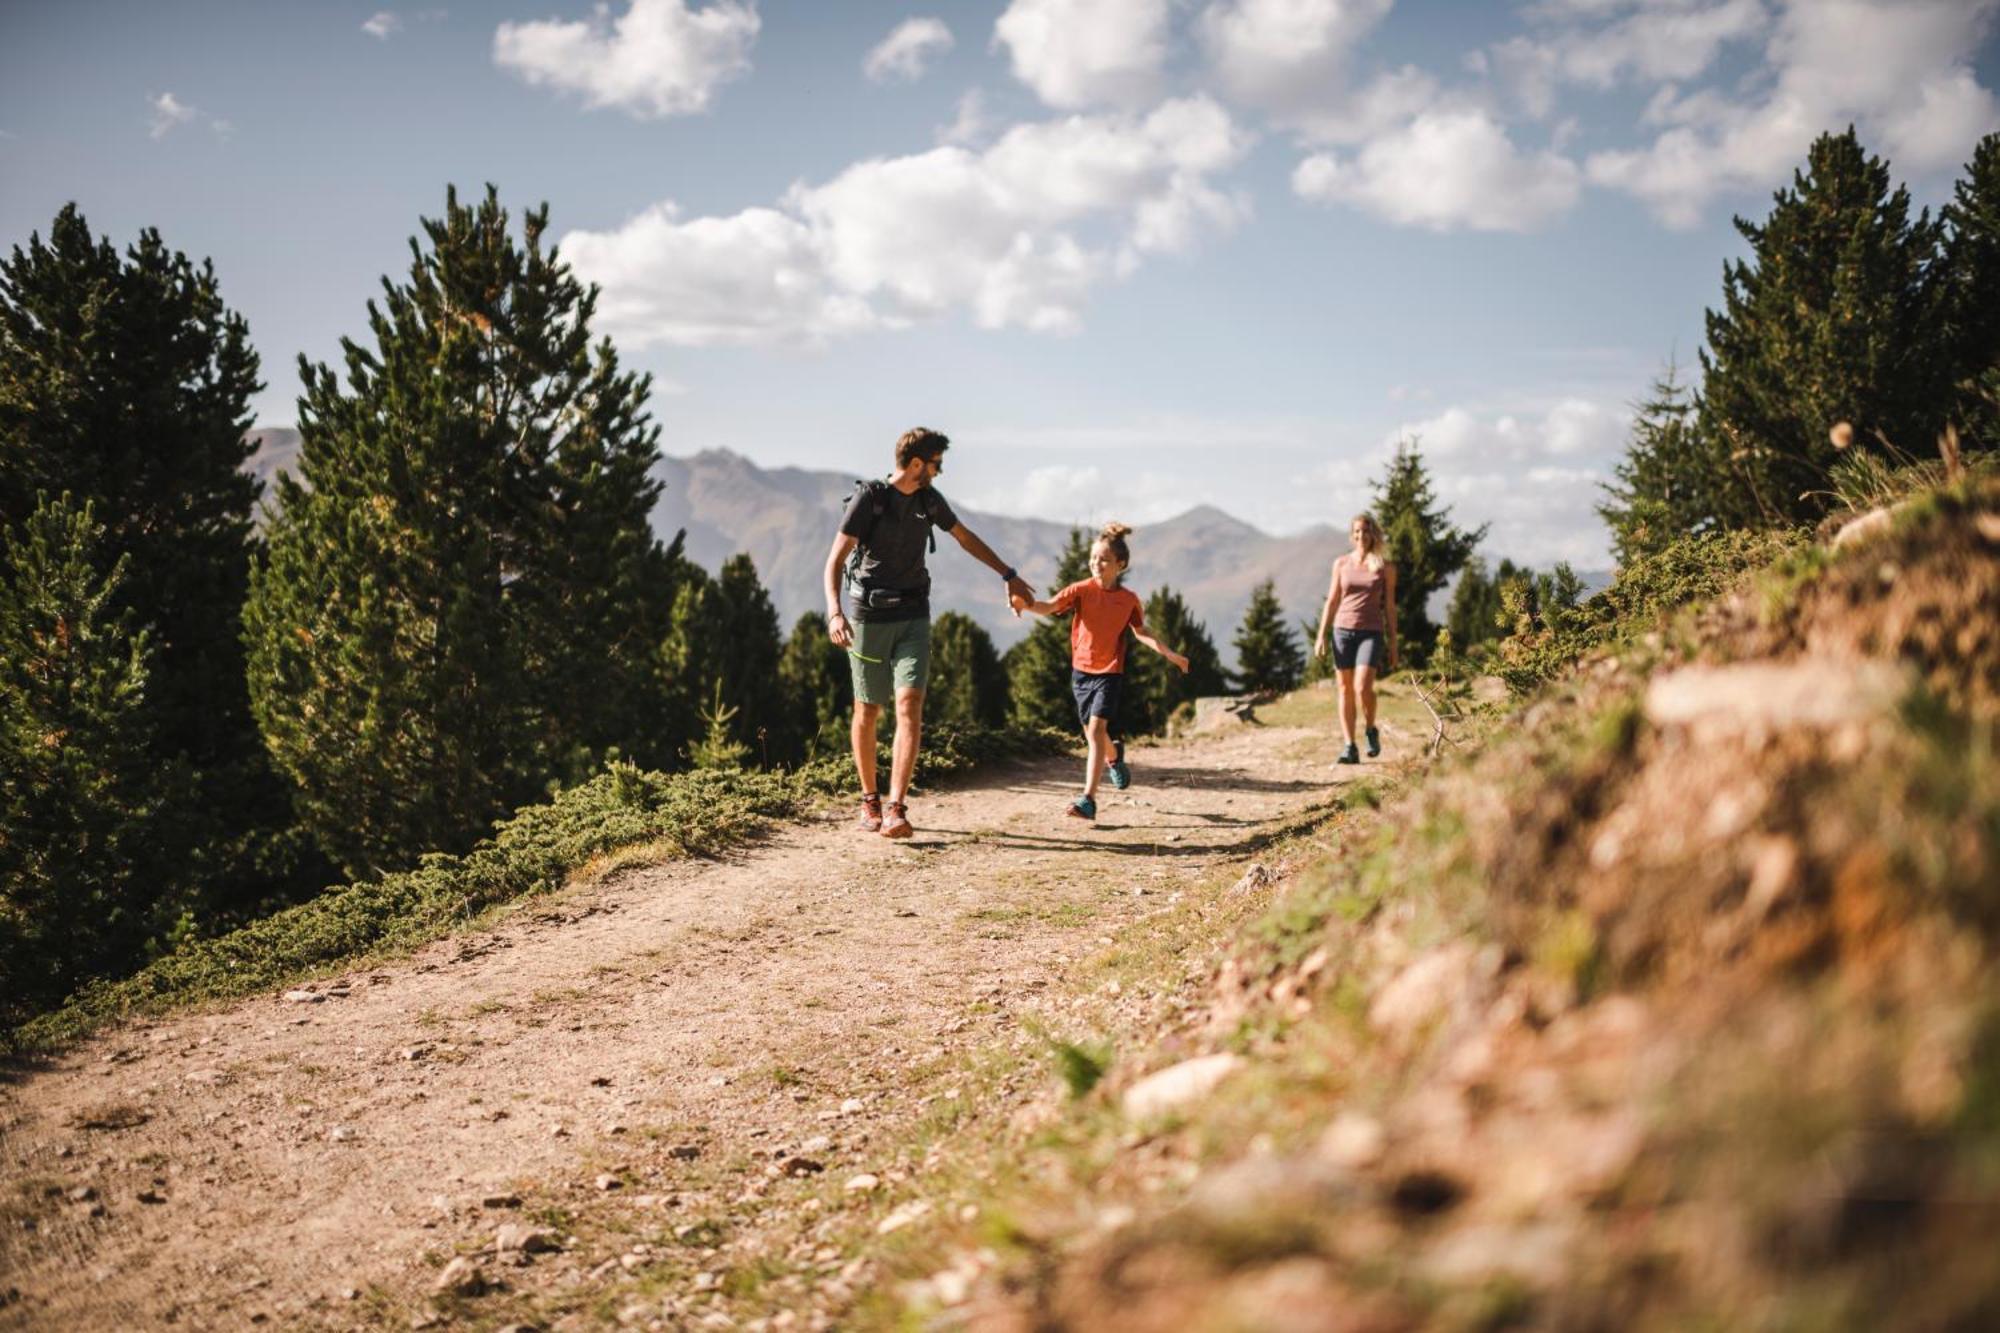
(893, 546)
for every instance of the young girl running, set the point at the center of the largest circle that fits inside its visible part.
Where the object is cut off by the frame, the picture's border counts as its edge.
(1361, 603)
(1100, 609)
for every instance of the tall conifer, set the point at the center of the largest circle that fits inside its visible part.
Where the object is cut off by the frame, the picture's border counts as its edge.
(1835, 316)
(81, 787)
(968, 684)
(462, 600)
(125, 382)
(1268, 656)
(1154, 688)
(1424, 545)
(1672, 480)
(1972, 266)
(746, 631)
(818, 686)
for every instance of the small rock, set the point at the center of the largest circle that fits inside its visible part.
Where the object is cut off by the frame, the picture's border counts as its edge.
(1255, 878)
(1352, 1141)
(80, 1193)
(415, 1052)
(684, 1152)
(910, 1212)
(151, 1196)
(852, 1106)
(706, 1281)
(862, 1183)
(524, 1240)
(816, 1144)
(500, 1201)
(1423, 991)
(341, 1134)
(460, 1277)
(558, 1131)
(607, 1182)
(304, 997)
(802, 1166)
(1177, 1085)
(601, 1081)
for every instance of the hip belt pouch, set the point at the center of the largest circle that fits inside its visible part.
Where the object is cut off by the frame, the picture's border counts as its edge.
(888, 599)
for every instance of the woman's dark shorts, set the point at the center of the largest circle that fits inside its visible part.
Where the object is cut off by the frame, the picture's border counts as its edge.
(1097, 696)
(1360, 647)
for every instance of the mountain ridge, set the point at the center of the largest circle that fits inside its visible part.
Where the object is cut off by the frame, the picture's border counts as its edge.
(785, 517)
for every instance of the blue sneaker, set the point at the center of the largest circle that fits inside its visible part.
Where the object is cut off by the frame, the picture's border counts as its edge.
(1119, 774)
(1083, 808)
(1350, 755)
(1374, 742)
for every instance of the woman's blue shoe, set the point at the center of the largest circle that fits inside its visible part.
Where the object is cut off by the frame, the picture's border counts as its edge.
(1349, 755)
(1121, 776)
(1083, 808)
(1374, 742)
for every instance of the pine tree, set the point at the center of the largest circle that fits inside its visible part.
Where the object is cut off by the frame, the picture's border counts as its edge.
(125, 382)
(462, 600)
(81, 788)
(690, 656)
(1834, 317)
(1972, 268)
(818, 685)
(1423, 545)
(1672, 480)
(1038, 693)
(1472, 616)
(748, 644)
(1268, 656)
(1154, 690)
(968, 685)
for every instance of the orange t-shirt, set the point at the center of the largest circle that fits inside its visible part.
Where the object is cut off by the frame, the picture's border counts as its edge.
(1097, 624)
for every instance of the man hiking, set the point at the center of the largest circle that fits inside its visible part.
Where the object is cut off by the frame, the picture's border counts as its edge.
(888, 641)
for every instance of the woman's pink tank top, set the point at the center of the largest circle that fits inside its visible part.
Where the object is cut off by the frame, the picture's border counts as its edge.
(1361, 593)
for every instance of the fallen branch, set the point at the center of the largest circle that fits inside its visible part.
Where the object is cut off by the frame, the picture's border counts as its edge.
(1439, 736)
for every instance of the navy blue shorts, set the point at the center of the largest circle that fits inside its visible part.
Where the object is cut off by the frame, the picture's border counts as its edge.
(1360, 647)
(1098, 696)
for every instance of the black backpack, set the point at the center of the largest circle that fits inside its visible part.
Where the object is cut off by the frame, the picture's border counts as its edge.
(878, 501)
(878, 497)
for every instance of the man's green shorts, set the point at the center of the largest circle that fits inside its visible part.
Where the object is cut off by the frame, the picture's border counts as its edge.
(890, 655)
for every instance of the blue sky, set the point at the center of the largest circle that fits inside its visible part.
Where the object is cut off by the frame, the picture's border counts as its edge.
(1133, 255)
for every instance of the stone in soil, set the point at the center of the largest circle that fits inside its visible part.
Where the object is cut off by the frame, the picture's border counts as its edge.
(460, 1277)
(1177, 1085)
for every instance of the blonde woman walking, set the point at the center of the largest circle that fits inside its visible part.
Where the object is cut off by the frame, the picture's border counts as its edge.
(1361, 605)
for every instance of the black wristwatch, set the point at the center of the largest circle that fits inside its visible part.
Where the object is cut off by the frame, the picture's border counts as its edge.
(1010, 575)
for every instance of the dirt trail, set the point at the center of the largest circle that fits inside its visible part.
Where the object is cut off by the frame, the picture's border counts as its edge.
(305, 1164)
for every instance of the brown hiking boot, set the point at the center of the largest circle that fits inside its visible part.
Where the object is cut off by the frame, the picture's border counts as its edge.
(896, 824)
(871, 813)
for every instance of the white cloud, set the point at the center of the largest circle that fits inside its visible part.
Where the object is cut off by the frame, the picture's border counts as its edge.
(905, 51)
(1535, 477)
(382, 24)
(1016, 235)
(1287, 56)
(1079, 53)
(968, 124)
(169, 114)
(660, 58)
(1900, 70)
(1445, 170)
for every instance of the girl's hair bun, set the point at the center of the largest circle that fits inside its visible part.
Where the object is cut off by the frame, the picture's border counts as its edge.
(1113, 535)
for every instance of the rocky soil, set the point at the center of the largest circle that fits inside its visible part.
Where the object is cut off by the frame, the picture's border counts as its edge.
(650, 1075)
